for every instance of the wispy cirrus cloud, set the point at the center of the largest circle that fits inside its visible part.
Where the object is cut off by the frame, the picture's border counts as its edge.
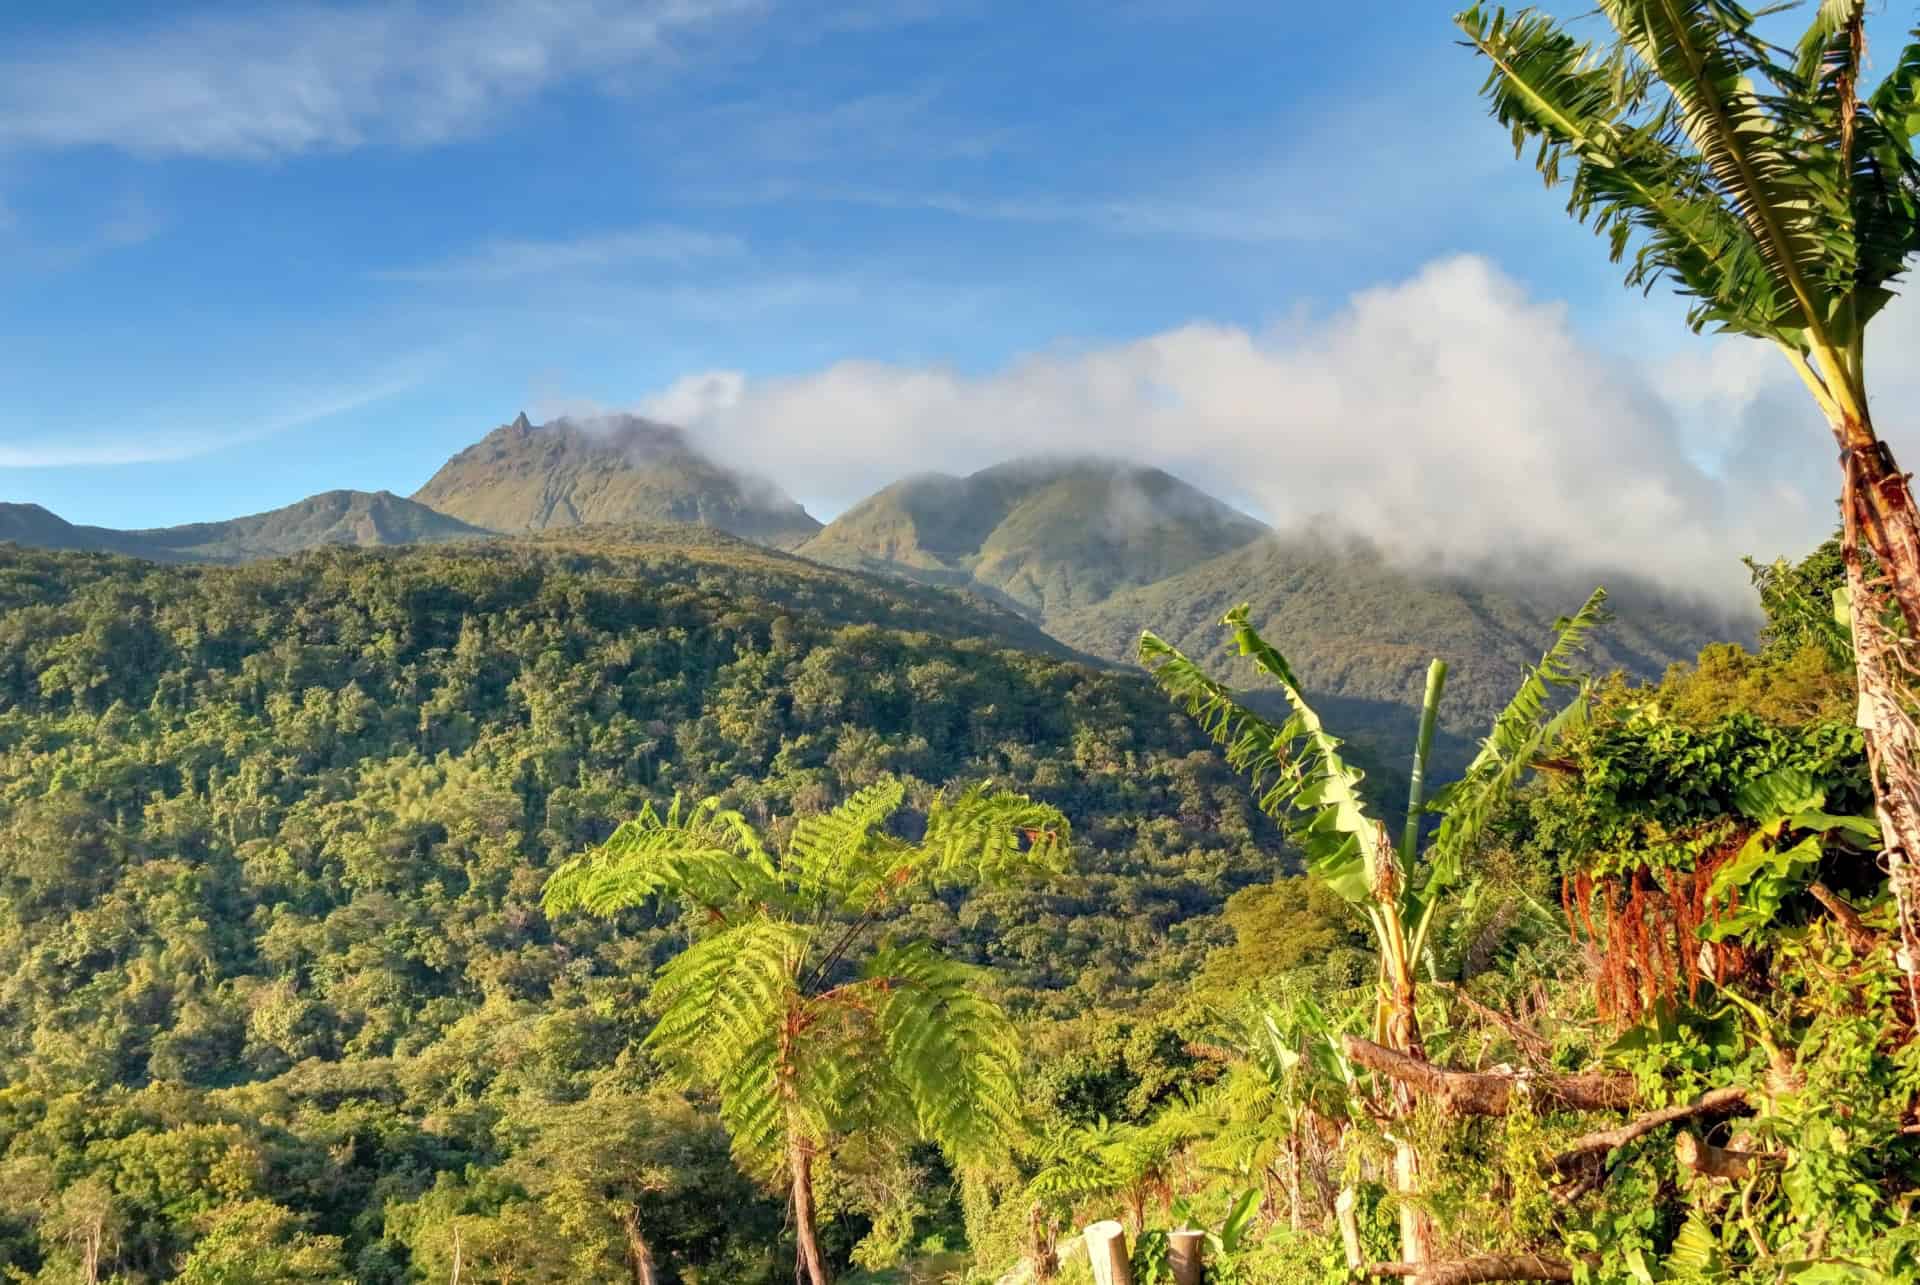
(1243, 224)
(176, 438)
(260, 84)
(48, 245)
(507, 260)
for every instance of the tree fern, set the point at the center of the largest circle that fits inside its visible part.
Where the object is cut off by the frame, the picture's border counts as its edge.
(781, 1005)
(950, 1047)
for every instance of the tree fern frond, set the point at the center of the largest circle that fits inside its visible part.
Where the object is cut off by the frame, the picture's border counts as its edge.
(708, 857)
(914, 1049)
(951, 1048)
(830, 851)
(725, 991)
(985, 835)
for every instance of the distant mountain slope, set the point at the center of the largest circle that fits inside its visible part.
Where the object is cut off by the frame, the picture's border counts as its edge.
(360, 518)
(523, 477)
(1048, 535)
(334, 517)
(1360, 631)
(38, 528)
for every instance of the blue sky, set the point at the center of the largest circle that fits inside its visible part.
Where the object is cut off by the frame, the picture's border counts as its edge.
(251, 251)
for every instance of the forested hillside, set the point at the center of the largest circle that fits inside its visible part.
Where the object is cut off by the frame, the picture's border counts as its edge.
(1361, 629)
(274, 975)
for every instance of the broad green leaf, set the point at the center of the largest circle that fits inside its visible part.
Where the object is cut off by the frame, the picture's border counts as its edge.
(1780, 793)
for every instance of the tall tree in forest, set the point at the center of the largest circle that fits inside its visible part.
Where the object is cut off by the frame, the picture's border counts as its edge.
(1784, 199)
(1308, 786)
(792, 1006)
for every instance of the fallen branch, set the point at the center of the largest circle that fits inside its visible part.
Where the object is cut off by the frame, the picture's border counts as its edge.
(1704, 1158)
(1478, 1271)
(1715, 1102)
(1860, 937)
(1488, 1093)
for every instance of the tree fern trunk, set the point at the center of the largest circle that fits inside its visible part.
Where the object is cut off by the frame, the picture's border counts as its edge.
(800, 1158)
(639, 1255)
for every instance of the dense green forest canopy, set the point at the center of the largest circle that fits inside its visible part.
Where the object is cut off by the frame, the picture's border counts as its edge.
(278, 1000)
(272, 840)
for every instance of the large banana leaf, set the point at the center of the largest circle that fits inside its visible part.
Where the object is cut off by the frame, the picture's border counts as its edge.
(1521, 733)
(1307, 786)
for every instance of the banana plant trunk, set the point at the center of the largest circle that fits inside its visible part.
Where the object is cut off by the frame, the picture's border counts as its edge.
(1883, 502)
(1877, 504)
(800, 1160)
(1403, 1033)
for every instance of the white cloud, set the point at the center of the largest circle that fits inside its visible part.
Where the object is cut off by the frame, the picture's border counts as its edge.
(263, 84)
(1449, 415)
(508, 260)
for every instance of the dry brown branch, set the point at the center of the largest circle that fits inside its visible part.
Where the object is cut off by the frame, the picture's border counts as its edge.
(1479, 1271)
(1860, 937)
(1529, 1042)
(1710, 1161)
(1715, 1102)
(1486, 1093)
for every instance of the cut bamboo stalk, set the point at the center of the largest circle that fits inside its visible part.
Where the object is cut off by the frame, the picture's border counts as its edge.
(1107, 1252)
(1186, 1249)
(1349, 1228)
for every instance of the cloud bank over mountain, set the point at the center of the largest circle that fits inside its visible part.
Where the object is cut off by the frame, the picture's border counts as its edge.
(1449, 416)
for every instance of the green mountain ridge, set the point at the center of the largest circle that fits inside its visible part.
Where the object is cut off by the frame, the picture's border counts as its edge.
(361, 518)
(36, 527)
(273, 839)
(1045, 534)
(527, 477)
(1360, 630)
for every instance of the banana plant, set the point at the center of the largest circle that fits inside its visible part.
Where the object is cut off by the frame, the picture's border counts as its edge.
(1309, 788)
